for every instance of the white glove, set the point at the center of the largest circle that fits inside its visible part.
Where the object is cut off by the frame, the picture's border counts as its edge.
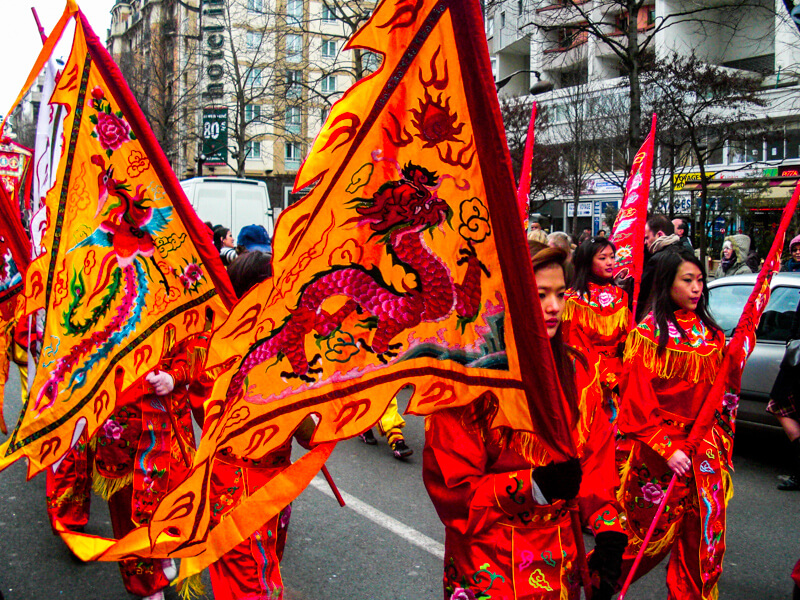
(161, 381)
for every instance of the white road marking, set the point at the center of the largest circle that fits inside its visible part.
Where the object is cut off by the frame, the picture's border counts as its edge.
(373, 514)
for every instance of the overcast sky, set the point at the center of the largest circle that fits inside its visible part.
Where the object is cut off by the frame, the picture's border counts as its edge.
(20, 43)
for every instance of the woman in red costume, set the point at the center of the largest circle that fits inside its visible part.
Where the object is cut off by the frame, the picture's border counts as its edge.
(503, 503)
(671, 359)
(596, 317)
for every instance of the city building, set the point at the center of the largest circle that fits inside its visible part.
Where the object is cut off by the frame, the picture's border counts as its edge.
(574, 48)
(255, 79)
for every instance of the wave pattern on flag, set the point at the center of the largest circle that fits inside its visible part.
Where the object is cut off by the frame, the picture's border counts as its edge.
(126, 259)
(405, 265)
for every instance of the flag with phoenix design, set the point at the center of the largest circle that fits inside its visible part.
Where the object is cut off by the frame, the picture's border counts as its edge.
(126, 260)
(405, 265)
(628, 231)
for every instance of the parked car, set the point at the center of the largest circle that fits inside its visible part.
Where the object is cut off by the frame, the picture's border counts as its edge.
(230, 201)
(727, 297)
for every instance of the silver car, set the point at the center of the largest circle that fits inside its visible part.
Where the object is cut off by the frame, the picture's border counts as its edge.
(727, 297)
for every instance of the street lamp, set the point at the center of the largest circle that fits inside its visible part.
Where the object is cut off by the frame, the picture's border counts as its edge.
(539, 87)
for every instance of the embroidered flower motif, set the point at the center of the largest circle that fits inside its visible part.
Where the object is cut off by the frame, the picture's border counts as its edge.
(112, 429)
(462, 594)
(624, 253)
(190, 277)
(673, 331)
(605, 298)
(111, 130)
(730, 401)
(652, 492)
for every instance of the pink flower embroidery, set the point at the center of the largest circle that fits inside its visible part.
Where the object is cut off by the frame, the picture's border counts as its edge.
(605, 298)
(112, 429)
(673, 331)
(730, 401)
(111, 130)
(462, 594)
(193, 272)
(652, 492)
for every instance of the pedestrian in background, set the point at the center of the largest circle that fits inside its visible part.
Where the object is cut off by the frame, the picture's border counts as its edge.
(793, 264)
(733, 260)
(223, 240)
(254, 238)
(783, 403)
(682, 230)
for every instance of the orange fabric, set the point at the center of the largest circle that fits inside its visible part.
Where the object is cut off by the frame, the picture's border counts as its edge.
(121, 274)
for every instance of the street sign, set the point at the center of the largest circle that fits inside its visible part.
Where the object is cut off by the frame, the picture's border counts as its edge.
(215, 136)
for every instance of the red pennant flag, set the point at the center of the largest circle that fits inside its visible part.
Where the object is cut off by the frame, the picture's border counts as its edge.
(524, 187)
(628, 231)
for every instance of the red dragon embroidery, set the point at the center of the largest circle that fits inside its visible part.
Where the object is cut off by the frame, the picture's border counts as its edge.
(399, 213)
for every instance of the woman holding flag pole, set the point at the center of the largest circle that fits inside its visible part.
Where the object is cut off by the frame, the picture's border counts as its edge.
(505, 506)
(671, 360)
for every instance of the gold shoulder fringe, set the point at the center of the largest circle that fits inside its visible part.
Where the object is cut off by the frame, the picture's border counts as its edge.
(669, 363)
(191, 587)
(105, 487)
(586, 316)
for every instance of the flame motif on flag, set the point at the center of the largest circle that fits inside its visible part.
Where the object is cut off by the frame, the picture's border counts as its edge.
(405, 265)
(108, 286)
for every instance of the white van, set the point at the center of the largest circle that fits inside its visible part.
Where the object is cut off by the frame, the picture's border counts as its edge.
(230, 201)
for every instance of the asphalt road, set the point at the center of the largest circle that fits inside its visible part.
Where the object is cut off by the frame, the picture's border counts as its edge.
(386, 544)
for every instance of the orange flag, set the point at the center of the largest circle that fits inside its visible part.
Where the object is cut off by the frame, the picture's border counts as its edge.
(404, 265)
(125, 258)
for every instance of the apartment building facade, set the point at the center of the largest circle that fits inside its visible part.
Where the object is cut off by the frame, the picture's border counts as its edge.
(548, 39)
(259, 75)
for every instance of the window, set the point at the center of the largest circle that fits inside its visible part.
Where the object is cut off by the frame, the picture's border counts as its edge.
(323, 114)
(252, 150)
(252, 112)
(489, 27)
(520, 6)
(651, 16)
(294, 11)
(502, 20)
(255, 5)
(776, 322)
(370, 61)
(793, 143)
(327, 15)
(329, 84)
(253, 78)
(775, 145)
(294, 84)
(329, 48)
(726, 304)
(292, 157)
(294, 47)
(253, 40)
(293, 122)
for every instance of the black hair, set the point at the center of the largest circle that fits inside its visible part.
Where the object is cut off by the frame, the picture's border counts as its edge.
(681, 227)
(667, 265)
(220, 233)
(248, 270)
(658, 223)
(583, 259)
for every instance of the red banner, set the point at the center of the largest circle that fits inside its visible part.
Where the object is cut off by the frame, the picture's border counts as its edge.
(628, 232)
(524, 188)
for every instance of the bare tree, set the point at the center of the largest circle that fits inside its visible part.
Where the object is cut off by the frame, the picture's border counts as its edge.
(626, 30)
(706, 106)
